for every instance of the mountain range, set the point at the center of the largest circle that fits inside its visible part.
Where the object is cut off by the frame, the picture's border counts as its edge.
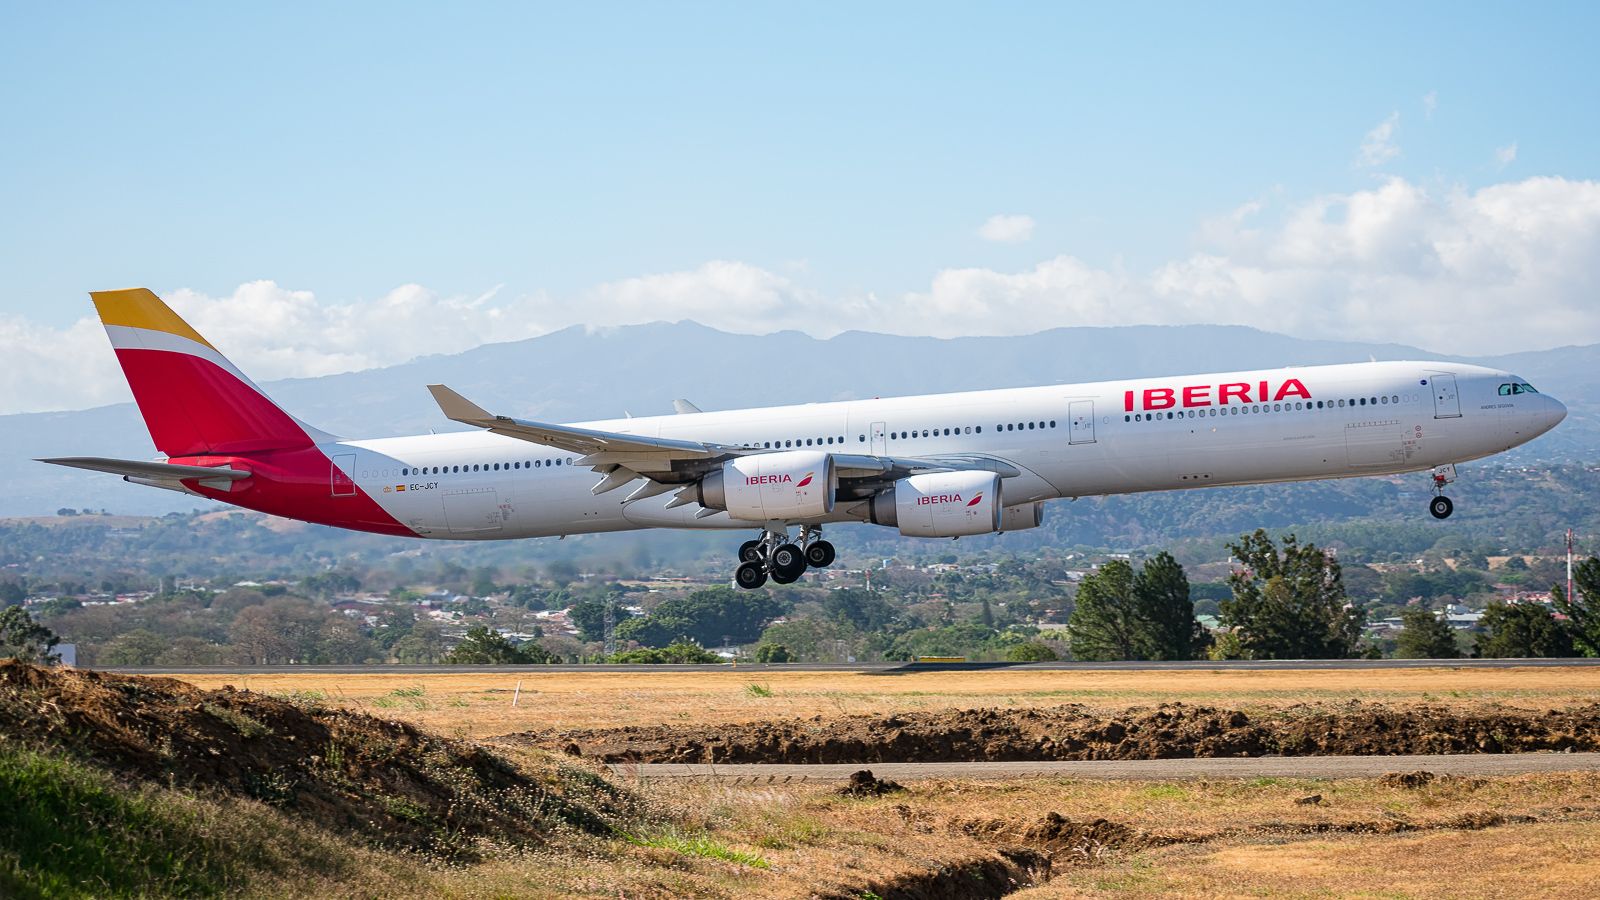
(590, 373)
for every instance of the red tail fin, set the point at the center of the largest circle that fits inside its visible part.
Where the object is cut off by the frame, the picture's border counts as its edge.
(193, 400)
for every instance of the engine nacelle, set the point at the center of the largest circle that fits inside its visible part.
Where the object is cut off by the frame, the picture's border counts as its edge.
(794, 484)
(941, 504)
(1022, 516)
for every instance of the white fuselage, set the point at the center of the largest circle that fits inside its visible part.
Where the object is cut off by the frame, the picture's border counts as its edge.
(1065, 441)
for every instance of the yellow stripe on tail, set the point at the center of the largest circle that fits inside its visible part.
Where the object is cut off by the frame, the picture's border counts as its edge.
(139, 308)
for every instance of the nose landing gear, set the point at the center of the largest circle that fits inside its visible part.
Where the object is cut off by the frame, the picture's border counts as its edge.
(1440, 506)
(773, 556)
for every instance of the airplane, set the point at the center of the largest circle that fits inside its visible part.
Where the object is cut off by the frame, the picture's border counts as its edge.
(934, 466)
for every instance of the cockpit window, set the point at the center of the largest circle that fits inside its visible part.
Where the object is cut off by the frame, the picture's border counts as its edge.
(1505, 390)
(1516, 387)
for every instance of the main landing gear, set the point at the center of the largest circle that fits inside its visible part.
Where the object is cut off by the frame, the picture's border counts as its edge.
(773, 556)
(1440, 506)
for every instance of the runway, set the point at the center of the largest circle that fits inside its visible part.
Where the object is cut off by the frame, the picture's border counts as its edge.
(1133, 769)
(890, 668)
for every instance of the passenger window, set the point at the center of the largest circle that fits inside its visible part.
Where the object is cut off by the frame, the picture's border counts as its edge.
(980, 429)
(862, 439)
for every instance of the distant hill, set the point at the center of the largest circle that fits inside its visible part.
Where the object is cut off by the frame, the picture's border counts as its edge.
(581, 373)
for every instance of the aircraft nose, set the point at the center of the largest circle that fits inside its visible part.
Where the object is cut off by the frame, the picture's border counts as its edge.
(1551, 413)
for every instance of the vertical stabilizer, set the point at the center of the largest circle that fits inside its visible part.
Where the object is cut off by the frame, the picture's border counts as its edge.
(193, 400)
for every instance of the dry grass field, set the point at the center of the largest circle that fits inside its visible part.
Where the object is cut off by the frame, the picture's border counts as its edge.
(1528, 836)
(343, 797)
(478, 705)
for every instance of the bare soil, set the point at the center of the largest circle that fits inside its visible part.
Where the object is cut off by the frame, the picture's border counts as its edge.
(1076, 732)
(387, 781)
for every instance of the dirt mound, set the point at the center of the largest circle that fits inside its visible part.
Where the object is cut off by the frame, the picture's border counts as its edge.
(1075, 732)
(1420, 778)
(387, 781)
(863, 784)
(1059, 836)
(1062, 732)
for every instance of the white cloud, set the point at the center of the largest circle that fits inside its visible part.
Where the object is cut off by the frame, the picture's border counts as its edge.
(1430, 102)
(1007, 229)
(1378, 146)
(1511, 266)
(1506, 155)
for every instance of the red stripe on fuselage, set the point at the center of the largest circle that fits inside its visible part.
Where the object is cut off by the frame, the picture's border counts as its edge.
(297, 484)
(193, 406)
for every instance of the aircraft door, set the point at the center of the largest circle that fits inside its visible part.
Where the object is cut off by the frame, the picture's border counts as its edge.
(1080, 418)
(880, 446)
(1446, 401)
(339, 481)
(473, 510)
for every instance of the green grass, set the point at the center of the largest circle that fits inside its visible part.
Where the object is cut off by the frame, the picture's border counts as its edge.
(758, 690)
(414, 697)
(70, 831)
(699, 845)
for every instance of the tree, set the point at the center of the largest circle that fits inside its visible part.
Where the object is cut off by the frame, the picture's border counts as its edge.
(1521, 630)
(12, 593)
(1425, 636)
(590, 617)
(1165, 626)
(1102, 624)
(864, 610)
(139, 647)
(1290, 604)
(773, 653)
(482, 646)
(424, 644)
(813, 639)
(282, 630)
(677, 652)
(24, 639)
(1032, 651)
(706, 617)
(1582, 611)
(327, 585)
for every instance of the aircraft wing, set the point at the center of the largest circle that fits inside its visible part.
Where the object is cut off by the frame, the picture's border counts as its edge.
(598, 447)
(668, 463)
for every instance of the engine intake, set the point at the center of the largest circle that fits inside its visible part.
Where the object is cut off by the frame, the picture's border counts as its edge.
(794, 484)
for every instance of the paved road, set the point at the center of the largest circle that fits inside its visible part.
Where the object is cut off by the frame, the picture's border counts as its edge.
(882, 668)
(1138, 769)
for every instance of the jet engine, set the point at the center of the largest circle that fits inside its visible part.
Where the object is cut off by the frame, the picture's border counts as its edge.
(941, 504)
(1022, 516)
(794, 484)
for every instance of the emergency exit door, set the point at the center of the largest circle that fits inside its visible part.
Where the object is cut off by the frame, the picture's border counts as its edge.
(1080, 420)
(1446, 402)
(339, 477)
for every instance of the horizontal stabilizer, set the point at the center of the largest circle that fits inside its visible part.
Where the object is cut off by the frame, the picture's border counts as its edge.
(159, 471)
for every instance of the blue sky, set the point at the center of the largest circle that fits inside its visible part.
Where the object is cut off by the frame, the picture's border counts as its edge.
(835, 156)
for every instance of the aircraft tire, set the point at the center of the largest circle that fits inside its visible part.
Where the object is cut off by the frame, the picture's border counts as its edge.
(788, 563)
(750, 551)
(1441, 507)
(820, 555)
(750, 576)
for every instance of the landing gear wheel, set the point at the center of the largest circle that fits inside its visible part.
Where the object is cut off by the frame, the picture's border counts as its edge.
(750, 576)
(750, 551)
(819, 555)
(788, 563)
(1441, 507)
